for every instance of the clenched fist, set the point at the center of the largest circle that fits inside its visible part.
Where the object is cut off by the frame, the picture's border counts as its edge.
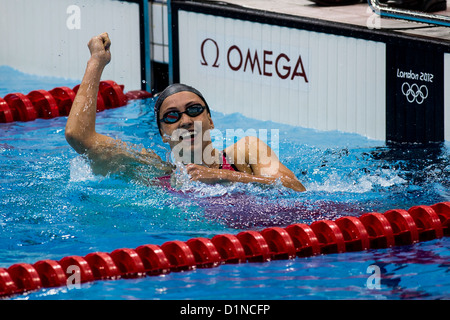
(99, 48)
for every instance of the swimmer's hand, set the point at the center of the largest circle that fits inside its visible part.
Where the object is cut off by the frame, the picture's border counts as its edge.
(99, 48)
(205, 174)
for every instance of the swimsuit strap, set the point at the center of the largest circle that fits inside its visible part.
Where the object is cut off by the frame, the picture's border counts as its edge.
(225, 165)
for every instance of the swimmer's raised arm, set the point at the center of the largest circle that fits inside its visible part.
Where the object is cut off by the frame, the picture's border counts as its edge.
(107, 154)
(80, 128)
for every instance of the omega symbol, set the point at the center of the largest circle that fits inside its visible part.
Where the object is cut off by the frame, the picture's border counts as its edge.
(203, 62)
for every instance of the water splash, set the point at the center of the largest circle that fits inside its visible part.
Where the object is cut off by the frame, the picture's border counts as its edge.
(80, 170)
(362, 183)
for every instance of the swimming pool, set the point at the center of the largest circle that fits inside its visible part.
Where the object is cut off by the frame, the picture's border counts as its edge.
(52, 205)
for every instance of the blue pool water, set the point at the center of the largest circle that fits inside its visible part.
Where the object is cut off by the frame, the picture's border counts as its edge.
(52, 205)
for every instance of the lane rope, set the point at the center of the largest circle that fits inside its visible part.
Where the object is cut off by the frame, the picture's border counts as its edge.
(372, 230)
(58, 101)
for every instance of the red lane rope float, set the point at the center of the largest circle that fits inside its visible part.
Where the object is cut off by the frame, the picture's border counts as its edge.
(281, 245)
(21, 107)
(64, 97)
(51, 273)
(25, 276)
(102, 265)
(329, 235)
(154, 260)
(355, 234)
(205, 253)
(379, 230)
(44, 104)
(443, 211)
(179, 255)
(370, 231)
(128, 262)
(304, 239)
(6, 114)
(83, 269)
(112, 94)
(403, 226)
(230, 248)
(255, 246)
(58, 101)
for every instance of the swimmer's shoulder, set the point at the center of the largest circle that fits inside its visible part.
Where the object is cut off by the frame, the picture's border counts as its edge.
(237, 154)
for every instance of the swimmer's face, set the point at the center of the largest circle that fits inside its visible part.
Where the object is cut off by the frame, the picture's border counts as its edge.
(189, 132)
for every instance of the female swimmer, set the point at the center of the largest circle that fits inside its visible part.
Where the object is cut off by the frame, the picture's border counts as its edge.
(184, 122)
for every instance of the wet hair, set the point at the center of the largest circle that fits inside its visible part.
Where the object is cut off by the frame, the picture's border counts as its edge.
(170, 90)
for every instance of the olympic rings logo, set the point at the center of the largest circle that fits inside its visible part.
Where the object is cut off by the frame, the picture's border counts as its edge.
(414, 92)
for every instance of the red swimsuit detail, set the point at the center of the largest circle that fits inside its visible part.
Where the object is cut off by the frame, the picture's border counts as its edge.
(225, 165)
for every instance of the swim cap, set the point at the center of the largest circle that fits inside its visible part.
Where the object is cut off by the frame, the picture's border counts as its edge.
(170, 90)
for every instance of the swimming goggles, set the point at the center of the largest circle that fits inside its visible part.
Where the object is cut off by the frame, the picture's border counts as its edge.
(174, 116)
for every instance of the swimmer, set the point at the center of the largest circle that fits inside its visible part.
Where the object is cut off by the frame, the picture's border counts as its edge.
(184, 121)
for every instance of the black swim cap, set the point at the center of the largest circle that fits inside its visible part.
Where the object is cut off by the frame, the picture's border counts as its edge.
(170, 90)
